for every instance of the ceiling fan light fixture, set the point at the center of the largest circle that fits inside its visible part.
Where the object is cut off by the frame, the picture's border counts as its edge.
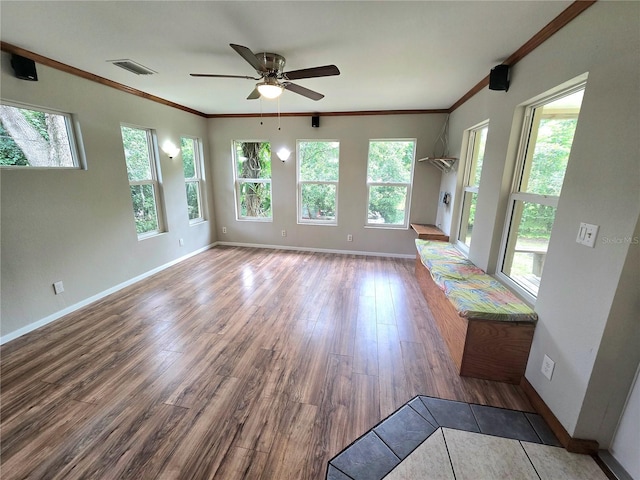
(269, 88)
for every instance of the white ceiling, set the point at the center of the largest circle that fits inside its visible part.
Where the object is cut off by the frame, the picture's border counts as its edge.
(392, 55)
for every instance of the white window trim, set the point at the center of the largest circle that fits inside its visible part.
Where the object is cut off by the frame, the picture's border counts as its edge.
(470, 135)
(407, 206)
(516, 195)
(76, 145)
(155, 181)
(199, 179)
(237, 181)
(302, 221)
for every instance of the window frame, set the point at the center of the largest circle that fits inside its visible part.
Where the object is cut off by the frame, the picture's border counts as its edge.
(74, 136)
(300, 183)
(238, 181)
(198, 179)
(471, 159)
(155, 181)
(408, 186)
(524, 155)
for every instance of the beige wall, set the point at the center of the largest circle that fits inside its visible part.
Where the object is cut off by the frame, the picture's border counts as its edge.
(77, 225)
(353, 133)
(588, 298)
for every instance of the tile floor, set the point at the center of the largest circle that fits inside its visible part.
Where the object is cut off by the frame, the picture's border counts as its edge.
(431, 438)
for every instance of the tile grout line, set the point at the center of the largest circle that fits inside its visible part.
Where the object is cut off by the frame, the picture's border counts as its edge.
(529, 458)
(448, 453)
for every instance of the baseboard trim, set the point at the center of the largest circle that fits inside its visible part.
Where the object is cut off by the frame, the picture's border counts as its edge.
(574, 445)
(318, 250)
(83, 303)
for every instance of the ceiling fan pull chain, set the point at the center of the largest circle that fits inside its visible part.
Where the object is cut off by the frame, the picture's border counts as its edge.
(261, 110)
(278, 113)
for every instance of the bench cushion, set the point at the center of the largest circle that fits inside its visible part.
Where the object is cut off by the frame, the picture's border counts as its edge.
(473, 293)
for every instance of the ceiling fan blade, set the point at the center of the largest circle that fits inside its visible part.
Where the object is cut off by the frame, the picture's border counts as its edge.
(254, 95)
(213, 75)
(305, 92)
(324, 71)
(249, 56)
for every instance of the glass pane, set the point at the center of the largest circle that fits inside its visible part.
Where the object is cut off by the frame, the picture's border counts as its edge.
(318, 202)
(144, 208)
(187, 147)
(390, 161)
(319, 161)
(193, 200)
(478, 155)
(468, 217)
(253, 160)
(32, 138)
(528, 243)
(387, 205)
(136, 153)
(255, 200)
(548, 153)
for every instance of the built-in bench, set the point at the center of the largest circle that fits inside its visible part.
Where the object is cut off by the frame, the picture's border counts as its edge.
(487, 329)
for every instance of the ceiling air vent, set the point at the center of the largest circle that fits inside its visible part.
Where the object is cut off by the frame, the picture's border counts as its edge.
(132, 67)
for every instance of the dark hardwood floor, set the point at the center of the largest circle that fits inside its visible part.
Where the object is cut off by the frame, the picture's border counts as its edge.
(234, 364)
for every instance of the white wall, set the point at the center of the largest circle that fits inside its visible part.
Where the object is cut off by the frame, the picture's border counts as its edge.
(587, 305)
(77, 225)
(353, 133)
(624, 446)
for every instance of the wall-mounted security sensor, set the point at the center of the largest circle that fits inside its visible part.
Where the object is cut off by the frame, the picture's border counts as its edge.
(499, 78)
(315, 121)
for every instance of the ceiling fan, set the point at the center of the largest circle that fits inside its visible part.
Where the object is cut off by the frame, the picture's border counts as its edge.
(272, 79)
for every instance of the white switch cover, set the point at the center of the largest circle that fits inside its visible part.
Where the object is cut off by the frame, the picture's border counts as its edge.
(587, 234)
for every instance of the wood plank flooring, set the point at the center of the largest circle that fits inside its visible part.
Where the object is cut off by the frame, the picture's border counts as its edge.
(234, 364)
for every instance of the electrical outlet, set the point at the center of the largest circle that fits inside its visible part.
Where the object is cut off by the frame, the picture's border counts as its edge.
(284, 233)
(224, 229)
(349, 238)
(58, 287)
(547, 367)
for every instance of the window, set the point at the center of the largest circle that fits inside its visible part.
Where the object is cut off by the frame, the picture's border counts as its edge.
(318, 168)
(36, 138)
(473, 169)
(140, 155)
(253, 180)
(193, 177)
(389, 178)
(542, 161)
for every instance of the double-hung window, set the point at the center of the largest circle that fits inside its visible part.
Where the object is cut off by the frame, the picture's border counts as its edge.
(193, 177)
(318, 172)
(389, 178)
(545, 145)
(252, 171)
(141, 155)
(477, 138)
(35, 137)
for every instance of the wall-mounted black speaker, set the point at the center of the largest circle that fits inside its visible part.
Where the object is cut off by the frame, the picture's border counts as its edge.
(24, 68)
(499, 78)
(315, 121)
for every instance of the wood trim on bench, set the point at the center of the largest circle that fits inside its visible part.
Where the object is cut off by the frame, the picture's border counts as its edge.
(487, 349)
(574, 445)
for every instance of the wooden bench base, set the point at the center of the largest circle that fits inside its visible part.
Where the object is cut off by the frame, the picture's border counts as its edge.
(485, 349)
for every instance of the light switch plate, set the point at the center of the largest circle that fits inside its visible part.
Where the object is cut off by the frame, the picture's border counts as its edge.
(587, 234)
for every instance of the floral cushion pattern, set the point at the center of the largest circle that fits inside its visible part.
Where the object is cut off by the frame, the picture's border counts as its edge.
(474, 294)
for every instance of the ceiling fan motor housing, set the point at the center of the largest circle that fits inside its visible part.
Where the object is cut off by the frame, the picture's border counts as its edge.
(273, 62)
